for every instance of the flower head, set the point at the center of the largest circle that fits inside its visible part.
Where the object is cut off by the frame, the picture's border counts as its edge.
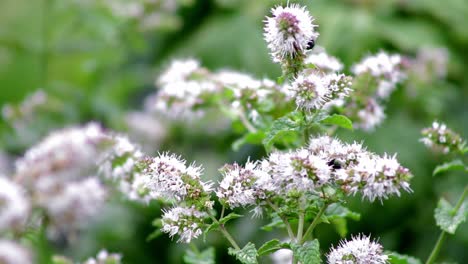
(168, 176)
(359, 250)
(289, 31)
(242, 186)
(324, 62)
(187, 222)
(442, 139)
(14, 205)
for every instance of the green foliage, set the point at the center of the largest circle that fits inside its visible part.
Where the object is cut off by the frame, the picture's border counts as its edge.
(395, 258)
(229, 217)
(270, 247)
(450, 166)
(247, 255)
(307, 253)
(338, 120)
(207, 256)
(448, 218)
(285, 130)
(338, 215)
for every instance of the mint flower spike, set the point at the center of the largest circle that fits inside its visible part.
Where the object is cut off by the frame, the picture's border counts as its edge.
(289, 32)
(14, 253)
(187, 222)
(442, 139)
(14, 205)
(359, 250)
(167, 176)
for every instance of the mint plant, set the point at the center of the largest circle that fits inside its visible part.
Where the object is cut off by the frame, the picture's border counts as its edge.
(303, 181)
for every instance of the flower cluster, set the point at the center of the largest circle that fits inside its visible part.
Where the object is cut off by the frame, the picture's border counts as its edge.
(442, 139)
(13, 253)
(360, 250)
(325, 161)
(242, 186)
(170, 178)
(289, 32)
(313, 89)
(59, 173)
(187, 222)
(14, 205)
(104, 257)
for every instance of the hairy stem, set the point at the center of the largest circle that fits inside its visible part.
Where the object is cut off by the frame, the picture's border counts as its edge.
(245, 121)
(300, 227)
(443, 235)
(314, 223)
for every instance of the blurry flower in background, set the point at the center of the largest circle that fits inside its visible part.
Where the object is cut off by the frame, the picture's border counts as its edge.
(324, 61)
(146, 129)
(104, 257)
(442, 139)
(359, 250)
(282, 256)
(14, 205)
(14, 253)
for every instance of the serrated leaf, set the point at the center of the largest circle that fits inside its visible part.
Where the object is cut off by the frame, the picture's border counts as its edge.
(447, 218)
(207, 256)
(290, 123)
(247, 255)
(449, 166)
(269, 247)
(229, 217)
(308, 253)
(338, 120)
(395, 258)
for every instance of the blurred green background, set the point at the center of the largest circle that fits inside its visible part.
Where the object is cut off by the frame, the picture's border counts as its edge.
(99, 65)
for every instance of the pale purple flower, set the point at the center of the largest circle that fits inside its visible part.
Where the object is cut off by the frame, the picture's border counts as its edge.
(288, 31)
(187, 222)
(14, 253)
(104, 257)
(14, 205)
(360, 250)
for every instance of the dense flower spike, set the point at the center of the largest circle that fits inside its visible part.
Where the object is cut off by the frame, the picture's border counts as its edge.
(75, 205)
(378, 177)
(167, 176)
(13, 253)
(14, 205)
(289, 31)
(312, 89)
(359, 250)
(104, 257)
(442, 139)
(187, 222)
(242, 186)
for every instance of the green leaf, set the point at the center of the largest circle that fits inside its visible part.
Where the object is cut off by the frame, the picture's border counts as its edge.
(247, 255)
(61, 260)
(286, 125)
(308, 253)
(249, 138)
(229, 217)
(207, 256)
(269, 247)
(276, 222)
(447, 218)
(449, 166)
(395, 258)
(337, 214)
(338, 120)
(155, 234)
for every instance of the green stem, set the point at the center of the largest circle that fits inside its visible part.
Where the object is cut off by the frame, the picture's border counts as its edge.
(285, 221)
(243, 118)
(443, 235)
(300, 227)
(226, 233)
(314, 223)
